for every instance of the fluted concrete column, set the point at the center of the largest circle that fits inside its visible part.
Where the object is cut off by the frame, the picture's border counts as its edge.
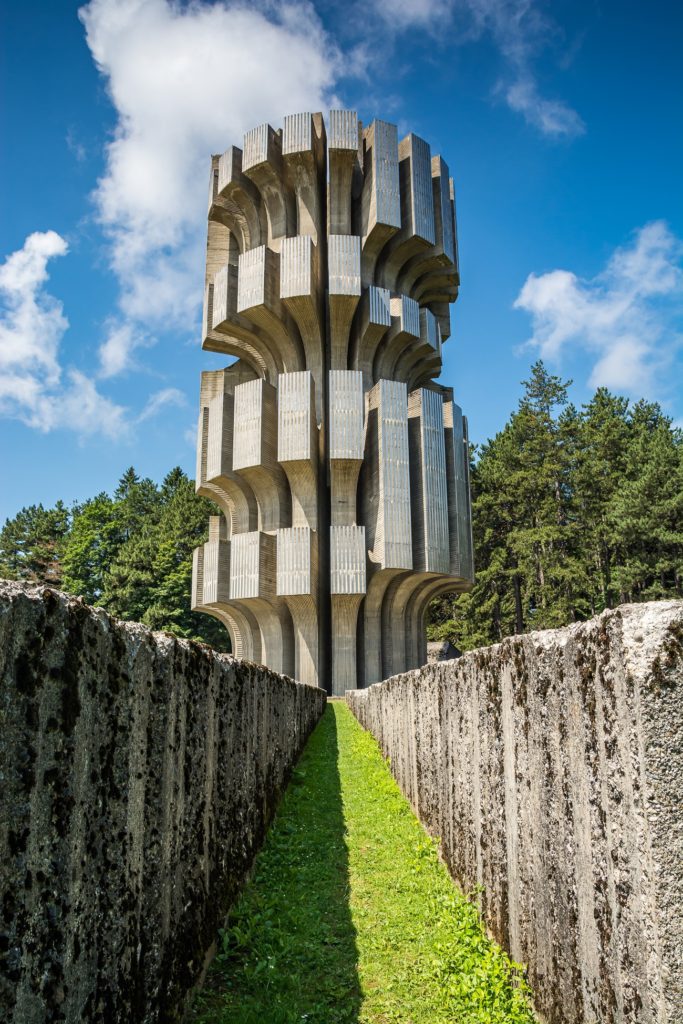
(347, 587)
(297, 583)
(346, 443)
(254, 456)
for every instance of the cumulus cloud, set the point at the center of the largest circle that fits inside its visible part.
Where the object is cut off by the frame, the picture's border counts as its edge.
(32, 325)
(121, 341)
(33, 322)
(186, 81)
(628, 317)
(551, 117)
(519, 30)
(159, 400)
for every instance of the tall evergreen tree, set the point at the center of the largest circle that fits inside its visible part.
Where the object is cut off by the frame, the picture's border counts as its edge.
(91, 547)
(573, 512)
(32, 544)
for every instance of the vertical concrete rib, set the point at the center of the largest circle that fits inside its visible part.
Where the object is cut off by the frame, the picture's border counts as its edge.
(347, 587)
(303, 153)
(297, 444)
(297, 583)
(255, 452)
(380, 208)
(344, 291)
(369, 328)
(346, 443)
(262, 164)
(343, 153)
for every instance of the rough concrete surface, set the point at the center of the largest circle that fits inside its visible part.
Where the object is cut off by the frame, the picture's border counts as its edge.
(551, 768)
(138, 773)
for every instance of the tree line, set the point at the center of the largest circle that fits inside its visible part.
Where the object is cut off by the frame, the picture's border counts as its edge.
(130, 552)
(574, 510)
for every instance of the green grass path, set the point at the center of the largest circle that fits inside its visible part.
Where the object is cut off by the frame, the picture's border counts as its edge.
(350, 916)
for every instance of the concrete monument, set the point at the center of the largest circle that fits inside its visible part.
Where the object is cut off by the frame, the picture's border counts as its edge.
(339, 466)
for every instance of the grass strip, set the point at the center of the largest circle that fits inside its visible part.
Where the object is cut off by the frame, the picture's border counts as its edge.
(350, 917)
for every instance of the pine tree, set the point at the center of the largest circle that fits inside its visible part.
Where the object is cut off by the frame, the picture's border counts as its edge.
(91, 546)
(599, 466)
(32, 545)
(648, 509)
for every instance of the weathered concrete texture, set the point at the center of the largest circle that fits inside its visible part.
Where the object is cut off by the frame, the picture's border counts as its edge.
(137, 777)
(551, 767)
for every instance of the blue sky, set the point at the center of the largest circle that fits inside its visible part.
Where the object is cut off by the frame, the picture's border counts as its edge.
(561, 123)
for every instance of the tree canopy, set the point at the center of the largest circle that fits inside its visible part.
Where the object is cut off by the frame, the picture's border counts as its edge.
(573, 511)
(130, 552)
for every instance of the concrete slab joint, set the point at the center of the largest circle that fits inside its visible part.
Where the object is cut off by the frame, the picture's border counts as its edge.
(338, 464)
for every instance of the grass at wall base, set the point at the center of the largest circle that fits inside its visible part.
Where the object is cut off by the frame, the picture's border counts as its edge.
(350, 916)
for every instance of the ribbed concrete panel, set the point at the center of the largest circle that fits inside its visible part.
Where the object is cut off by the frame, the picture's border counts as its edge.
(256, 146)
(296, 417)
(343, 256)
(346, 404)
(216, 454)
(429, 330)
(462, 471)
(343, 130)
(251, 280)
(229, 168)
(417, 199)
(213, 183)
(245, 566)
(297, 133)
(197, 594)
(442, 207)
(457, 480)
(219, 297)
(347, 560)
(429, 492)
(408, 312)
(382, 178)
(380, 305)
(331, 263)
(296, 267)
(394, 521)
(216, 583)
(294, 575)
(248, 425)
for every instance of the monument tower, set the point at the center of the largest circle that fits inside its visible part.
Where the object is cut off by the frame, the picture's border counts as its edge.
(339, 466)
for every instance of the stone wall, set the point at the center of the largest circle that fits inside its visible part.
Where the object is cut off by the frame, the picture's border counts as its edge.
(137, 777)
(551, 767)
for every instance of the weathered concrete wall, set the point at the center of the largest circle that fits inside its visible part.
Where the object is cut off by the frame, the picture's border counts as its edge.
(551, 766)
(137, 776)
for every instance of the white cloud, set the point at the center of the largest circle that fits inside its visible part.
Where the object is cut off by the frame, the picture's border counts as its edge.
(551, 117)
(80, 407)
(628, 317)
(32, 325)
(33, 322)
(518, 28)
(187, 81)
(159, 400)
(116, 351)
(404, 14)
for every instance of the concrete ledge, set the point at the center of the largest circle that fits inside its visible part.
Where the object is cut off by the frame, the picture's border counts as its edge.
(138, 774)
(551, 768)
